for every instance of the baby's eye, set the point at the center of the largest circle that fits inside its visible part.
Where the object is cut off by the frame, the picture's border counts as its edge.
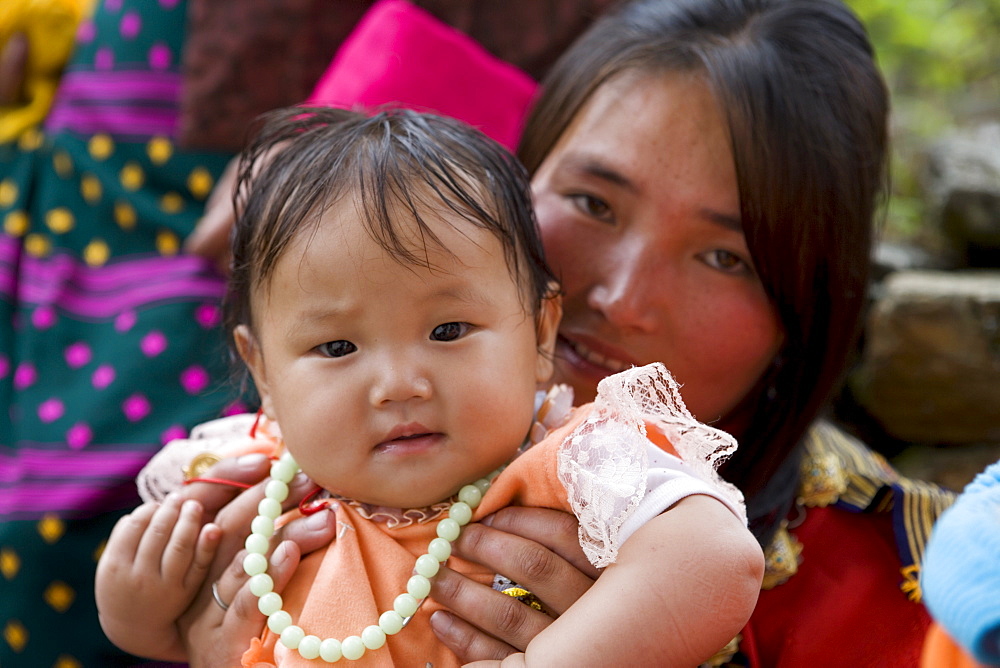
(593, 207)
(723, 260)
(336, 348)
(450, 331)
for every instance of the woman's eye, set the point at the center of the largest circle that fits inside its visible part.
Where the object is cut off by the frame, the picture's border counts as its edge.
(336, 348)
(450, 331)
(593, 207)
(725, 261)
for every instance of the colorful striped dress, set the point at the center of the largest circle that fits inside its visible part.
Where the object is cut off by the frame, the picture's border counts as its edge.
(110, 338)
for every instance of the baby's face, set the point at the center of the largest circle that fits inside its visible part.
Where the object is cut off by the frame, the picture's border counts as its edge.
(392, 384)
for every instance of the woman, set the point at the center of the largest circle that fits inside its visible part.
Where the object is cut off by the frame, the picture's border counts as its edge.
(706, 173)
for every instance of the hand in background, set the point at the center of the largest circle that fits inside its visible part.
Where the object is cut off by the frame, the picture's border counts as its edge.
(13, 70)
(210, 237)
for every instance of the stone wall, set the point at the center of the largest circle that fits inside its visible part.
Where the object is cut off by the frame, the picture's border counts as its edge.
(926, 389)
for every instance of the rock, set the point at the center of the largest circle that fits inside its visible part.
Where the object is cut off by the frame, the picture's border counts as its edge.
(893, 256)
(963, 185)
(930, 368)
(952, 467)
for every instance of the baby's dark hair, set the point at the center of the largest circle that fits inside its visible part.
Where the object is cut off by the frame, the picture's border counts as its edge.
(396, 163)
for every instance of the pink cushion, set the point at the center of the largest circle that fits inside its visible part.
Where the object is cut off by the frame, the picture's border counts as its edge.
(400, 55)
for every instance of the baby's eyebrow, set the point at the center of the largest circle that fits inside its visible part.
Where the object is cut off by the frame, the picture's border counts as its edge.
(460, 293)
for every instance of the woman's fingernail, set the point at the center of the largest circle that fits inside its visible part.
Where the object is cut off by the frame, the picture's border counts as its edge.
(280, 555)
(251, 461)
(318, 521)
(488, 520)
(441, 623)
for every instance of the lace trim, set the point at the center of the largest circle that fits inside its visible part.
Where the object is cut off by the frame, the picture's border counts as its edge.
(603, 463)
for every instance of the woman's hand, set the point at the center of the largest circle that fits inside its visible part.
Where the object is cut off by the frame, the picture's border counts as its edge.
(210, 237)
(536, 548)
(214, 636)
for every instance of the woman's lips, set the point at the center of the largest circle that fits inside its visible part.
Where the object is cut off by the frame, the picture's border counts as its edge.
(583, 353)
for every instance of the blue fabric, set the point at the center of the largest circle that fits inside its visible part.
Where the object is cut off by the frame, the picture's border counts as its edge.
(961, 574)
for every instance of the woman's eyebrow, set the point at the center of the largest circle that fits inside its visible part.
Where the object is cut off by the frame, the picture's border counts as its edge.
(596, 168)
(727, 221)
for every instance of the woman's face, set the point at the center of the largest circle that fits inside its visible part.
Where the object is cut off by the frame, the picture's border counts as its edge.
(639, 211)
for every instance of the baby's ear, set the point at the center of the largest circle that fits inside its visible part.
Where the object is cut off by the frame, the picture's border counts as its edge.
(549, 316)
(252, 356)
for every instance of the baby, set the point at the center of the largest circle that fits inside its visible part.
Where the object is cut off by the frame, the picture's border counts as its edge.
(390, 299)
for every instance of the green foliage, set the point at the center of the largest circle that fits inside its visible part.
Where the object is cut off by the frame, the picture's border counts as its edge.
(941, 59)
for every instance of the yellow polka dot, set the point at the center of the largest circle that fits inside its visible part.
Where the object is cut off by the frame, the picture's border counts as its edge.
(132, 176)
(91, 189)
(37, 245)
(16, 223)
(16, 635)
(51, 528)
(167, 243)
(10, 563)
(159, 150)
(60, 220)
(31, 140)
(63, 164)
(59, 596)
(101, 146)
(66, 661)
(125, 215)
(96, 253)
(200, 182)
(171, 203)
(8, 192)
(100, 550)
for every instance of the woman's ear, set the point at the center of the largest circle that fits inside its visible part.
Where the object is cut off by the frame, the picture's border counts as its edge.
(250, 352)
(549, 316)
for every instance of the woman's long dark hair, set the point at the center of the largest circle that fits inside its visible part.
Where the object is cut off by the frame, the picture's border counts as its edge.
(807, 112)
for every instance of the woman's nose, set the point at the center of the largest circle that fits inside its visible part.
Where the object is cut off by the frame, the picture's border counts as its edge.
(630, 292)
(399, 381)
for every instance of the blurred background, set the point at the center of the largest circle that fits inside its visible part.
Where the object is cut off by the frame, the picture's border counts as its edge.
(926, 389)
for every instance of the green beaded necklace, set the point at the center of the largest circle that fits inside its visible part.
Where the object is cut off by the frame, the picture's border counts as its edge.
(390, 622)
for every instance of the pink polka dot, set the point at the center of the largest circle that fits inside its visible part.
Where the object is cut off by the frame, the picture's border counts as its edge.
(43, 317)
(4, 366)
(113, 5)
(51, 410)
(235, 408)
(86, 32)
(194, 379)
(25, 375)
(125, 321)
(103, 376)
(160, 57)
(136, 407)
(130, 25)
(153, 344)
(168, 4)
(104, 59)
(208, 315)
(79, 435)
(174, 432)
(77, 355)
